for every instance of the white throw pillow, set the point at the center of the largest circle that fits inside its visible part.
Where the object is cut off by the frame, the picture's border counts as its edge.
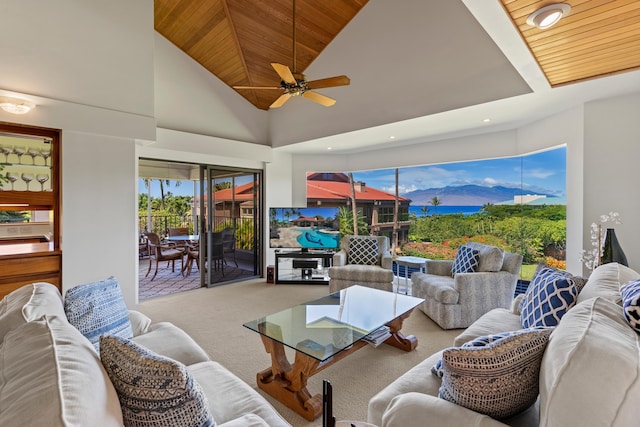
(606, 281)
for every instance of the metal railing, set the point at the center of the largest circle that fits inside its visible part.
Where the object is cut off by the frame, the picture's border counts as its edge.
(160, 225)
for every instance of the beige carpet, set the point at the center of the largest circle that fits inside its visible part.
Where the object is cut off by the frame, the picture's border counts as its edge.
(214, 318)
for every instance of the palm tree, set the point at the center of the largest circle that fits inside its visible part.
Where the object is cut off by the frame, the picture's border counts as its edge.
(424, 210)
(435, 201)
(354, 208)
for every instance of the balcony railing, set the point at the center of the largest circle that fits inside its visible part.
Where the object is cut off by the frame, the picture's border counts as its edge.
(160, 225)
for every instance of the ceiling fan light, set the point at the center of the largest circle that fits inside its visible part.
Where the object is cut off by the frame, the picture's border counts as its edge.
(15, 105)
(548, 16)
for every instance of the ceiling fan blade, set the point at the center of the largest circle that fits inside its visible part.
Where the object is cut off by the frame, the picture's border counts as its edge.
(329, 82)
(320, 99)
(284, 72)
(257, 87)
(280, 101)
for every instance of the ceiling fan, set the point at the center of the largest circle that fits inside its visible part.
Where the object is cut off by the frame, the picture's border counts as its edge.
(294, 83)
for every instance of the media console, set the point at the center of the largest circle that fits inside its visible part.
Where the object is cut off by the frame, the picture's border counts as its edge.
(306, 268)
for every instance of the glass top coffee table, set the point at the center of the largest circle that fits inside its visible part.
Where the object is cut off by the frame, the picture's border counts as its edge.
(322, 332)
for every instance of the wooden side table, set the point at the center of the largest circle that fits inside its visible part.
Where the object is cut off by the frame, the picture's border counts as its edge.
(406, 262)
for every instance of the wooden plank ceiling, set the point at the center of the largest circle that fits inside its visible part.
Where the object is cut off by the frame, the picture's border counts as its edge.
(597, 38)
(237, 40)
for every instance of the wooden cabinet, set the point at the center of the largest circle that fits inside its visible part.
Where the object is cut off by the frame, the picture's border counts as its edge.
(29, 206)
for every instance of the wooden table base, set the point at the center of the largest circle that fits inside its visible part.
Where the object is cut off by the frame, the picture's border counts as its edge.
(287, 383)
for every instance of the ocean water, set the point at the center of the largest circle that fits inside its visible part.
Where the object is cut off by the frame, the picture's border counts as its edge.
(445, 210)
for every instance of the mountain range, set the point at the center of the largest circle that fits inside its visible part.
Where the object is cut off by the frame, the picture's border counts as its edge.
(466, 195)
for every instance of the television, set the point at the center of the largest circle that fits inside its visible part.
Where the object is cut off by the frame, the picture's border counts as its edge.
(304, 228)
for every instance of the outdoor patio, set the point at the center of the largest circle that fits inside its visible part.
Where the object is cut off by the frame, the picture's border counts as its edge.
(167, 282)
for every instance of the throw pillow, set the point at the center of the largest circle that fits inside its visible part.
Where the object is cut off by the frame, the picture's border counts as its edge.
(97, 309)
(495, 375)
(363, 251)
(153, 390)
(549, 296)
(466, 261)
(631, 303)
(491, 257)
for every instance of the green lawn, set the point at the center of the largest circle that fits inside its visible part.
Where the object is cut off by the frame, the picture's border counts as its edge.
(526, 273)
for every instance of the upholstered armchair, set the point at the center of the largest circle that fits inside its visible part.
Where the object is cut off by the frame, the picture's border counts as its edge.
(362, 260)
(457, 300)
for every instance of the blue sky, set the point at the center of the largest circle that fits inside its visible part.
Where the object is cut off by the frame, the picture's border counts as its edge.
(543, 172)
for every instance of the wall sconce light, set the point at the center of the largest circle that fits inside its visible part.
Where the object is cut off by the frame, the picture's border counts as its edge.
(548, 16)
(16, 105)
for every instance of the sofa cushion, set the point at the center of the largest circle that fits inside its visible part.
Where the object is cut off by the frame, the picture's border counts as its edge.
(631, 303)
(495, 376)
(363, 250)
(170, 341)
(606, 280)
(549, 296)
(491, 257)
(27, 303)
(493, 322)
(98, 309)
(229, 396)
(590, 374)
(361, 273)
(153, 390)
(466, 261)
(51, 375)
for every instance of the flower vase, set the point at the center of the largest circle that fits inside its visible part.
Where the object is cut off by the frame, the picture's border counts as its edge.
(611, 249)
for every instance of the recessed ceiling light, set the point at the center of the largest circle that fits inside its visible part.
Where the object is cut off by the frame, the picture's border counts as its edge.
(328, 148)
(549, 15)
(392, 137)
(486, 120)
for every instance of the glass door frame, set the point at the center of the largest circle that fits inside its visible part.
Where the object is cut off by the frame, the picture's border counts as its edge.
(208, 174)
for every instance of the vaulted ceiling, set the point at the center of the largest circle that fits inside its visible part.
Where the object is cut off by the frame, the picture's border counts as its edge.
(237, 40)
(420, 70)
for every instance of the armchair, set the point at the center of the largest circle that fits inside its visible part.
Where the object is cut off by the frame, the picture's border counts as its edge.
(362, 260)
(159, 252)
(459, 300)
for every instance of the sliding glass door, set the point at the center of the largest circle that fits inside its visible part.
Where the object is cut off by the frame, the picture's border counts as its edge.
(230, 224)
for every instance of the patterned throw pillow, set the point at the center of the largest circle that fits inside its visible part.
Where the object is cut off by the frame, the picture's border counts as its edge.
(466, 261)
(495, 376)
(549, 296)
(482, 341)
(97, 309)
(631, 303)
(363, 251)
(153, 390)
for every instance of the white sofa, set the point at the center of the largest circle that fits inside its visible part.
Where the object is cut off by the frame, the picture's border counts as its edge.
(51, 375)
(589, 375)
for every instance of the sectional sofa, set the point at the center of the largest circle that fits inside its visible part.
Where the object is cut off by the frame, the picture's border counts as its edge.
(589, 374)
(52, 375)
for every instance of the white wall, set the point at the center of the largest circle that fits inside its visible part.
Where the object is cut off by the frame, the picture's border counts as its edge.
(611, 153)
(99, 204)
(90, 53)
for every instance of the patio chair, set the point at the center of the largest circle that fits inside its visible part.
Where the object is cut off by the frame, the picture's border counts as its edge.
(193, 254)
(179, 231)
(229, 244)
(159, 252)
